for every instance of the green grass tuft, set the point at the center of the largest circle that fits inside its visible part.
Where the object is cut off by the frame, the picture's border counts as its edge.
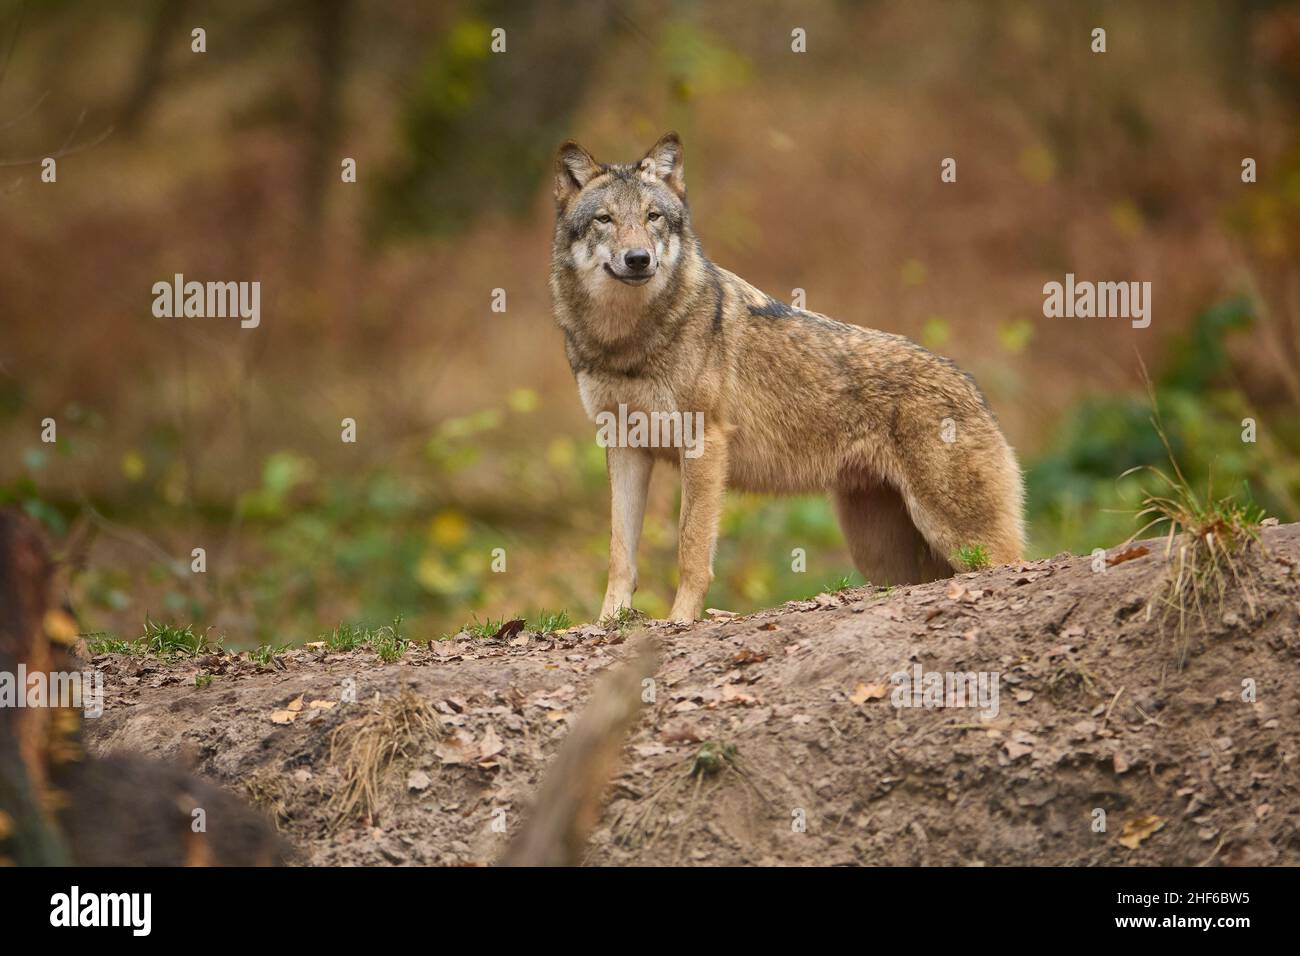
(550, 623)
(622, 619)
(386, 641)
(973, 557)
(1205, 539)
(172, 640)
(842, 583)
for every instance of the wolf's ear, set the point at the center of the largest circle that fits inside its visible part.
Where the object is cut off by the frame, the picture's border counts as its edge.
(574, 168)
(664, 161)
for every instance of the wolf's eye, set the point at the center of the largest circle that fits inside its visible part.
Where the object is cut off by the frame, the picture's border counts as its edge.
(603, 217)
(654, 216)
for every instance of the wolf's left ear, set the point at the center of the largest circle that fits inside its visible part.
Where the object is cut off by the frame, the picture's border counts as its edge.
(664, 161)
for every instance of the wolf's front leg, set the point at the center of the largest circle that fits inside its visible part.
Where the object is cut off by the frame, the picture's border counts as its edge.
(629, 481)
(704, 479)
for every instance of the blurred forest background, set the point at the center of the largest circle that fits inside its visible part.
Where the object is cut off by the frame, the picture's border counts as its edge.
(818, 171)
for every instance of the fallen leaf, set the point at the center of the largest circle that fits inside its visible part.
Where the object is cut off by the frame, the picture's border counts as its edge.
(294, 705)
(682, 735)
(733, 694)
(418, 780)
(865, 692)
(1137, 830)
(453, 750)
(322, 704)
(491, 744)
(509, 629)
(283, 716)
(1128, 554)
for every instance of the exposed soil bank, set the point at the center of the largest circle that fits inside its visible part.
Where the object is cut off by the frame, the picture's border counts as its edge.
(1093, 715)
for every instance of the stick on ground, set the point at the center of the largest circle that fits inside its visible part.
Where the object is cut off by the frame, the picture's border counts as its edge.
(572, 795)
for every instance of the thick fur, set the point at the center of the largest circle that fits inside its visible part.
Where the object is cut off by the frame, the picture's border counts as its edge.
(793, 401)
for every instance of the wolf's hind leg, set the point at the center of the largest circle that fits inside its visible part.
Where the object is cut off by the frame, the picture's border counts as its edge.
(886, 546)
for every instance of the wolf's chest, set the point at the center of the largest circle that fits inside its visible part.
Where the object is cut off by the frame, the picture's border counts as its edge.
(605, 394)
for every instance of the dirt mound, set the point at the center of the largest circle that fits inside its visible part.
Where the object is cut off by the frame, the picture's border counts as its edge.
(778, 738)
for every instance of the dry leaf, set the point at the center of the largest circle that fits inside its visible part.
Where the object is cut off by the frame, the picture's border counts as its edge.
(322, 704)
(1137, 830)
(491, 744)
(1128, 554)
(865, 692)
(418, 780)
(452, 750)
(294, 705)
(733, 694)
(283, 716)
(509, 629)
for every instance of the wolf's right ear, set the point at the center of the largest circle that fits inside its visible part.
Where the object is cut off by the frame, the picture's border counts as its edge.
(574, 168)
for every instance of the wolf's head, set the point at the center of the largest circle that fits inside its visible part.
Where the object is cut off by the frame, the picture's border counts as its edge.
(620, 230)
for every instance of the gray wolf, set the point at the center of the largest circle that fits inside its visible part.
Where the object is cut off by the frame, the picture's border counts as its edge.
(792, 401)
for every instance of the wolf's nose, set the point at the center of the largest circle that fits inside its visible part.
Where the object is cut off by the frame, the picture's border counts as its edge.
(638, 260)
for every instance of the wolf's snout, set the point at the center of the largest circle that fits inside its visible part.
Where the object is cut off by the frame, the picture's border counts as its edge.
(637, 260)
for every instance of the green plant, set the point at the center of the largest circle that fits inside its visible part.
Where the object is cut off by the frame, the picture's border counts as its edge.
(973, 557)
(104, 642)
(550, 623)
(842, 583)
(172, 640)
(388, 642)
(264, 655)
(1205, 539)
(621, 620)
(483, 629)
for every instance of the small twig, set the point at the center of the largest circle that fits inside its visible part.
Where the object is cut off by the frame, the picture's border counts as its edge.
(1113, 701)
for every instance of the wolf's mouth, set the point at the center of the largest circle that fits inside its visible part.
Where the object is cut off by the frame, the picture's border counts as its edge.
(629, 280)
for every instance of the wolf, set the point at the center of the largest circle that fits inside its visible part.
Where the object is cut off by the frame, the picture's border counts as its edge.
(792, 402)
